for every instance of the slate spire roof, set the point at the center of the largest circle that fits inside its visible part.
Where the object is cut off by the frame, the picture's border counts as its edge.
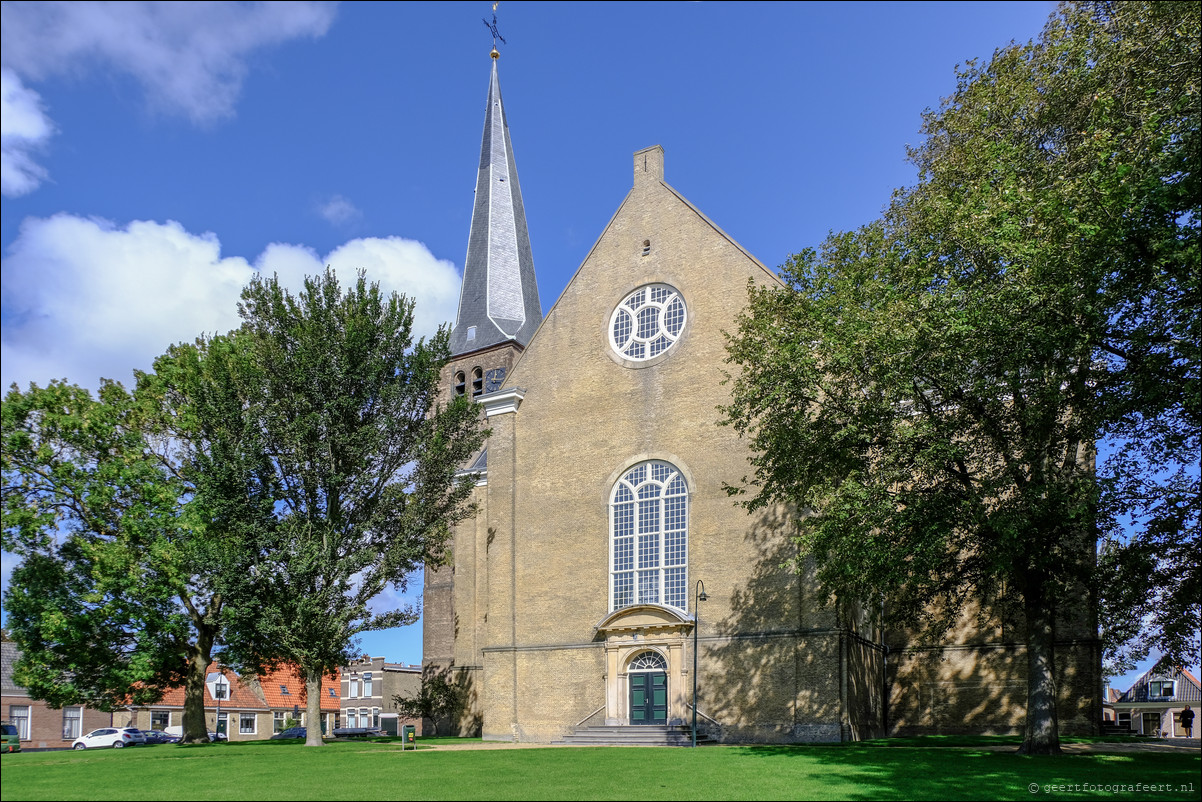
(499, 298)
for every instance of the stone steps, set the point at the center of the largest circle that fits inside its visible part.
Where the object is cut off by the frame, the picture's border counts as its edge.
(635, 735)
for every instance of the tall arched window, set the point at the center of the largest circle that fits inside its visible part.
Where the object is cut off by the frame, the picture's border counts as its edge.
(649, 517)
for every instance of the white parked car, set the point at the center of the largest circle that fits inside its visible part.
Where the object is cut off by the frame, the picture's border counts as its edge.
(116, 737)
(138, 736)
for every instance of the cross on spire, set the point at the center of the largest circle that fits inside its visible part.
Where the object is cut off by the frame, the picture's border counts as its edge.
(492, 26)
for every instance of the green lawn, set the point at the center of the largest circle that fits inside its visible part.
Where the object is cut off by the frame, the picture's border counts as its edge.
(288, 770)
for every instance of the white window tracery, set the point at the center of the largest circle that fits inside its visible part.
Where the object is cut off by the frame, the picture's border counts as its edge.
(647, 322)
(649, 537)
(648, 661)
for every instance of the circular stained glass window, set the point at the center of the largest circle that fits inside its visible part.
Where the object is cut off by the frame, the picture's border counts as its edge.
(647, 322)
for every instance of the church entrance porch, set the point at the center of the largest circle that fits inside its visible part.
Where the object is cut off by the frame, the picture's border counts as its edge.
(645, 664)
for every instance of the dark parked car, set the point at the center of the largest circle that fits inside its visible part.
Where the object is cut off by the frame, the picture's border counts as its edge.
(160, 737)
(358, 732)
(291, 732)
(12, 739)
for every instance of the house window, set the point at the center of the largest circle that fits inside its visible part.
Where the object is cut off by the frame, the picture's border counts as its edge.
(352, 718)
(246, 723)
(649, 537)
(1124, 719)
(18, 715)
(333, 693)
(352, 689)
(647, 322)
(364, 717)
(284, 691)
(1160, 689)
(160, 719)
(375, 717)
(72, 723)
(277, 721)
(367, 684)
(460, 382)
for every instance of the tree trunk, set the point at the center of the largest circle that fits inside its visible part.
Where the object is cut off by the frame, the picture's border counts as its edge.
(1041, 735)
(313, 709)
(195, 729)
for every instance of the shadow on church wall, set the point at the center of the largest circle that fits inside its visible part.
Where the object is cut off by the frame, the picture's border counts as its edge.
(773, 673)
(789, 665)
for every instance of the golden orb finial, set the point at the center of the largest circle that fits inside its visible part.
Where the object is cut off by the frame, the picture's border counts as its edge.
(495, 53)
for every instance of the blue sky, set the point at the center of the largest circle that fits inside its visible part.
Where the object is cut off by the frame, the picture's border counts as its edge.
(156, 155)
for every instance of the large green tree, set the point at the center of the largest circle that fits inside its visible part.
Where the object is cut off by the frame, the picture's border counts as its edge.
(930, 387)
(118, 590)
(364, 460)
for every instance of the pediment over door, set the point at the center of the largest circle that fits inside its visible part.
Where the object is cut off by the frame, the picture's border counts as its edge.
(645, 618)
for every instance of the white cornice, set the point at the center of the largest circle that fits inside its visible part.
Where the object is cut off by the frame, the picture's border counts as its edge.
(501, 402)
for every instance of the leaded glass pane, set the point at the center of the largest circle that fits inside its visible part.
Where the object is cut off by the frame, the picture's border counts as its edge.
(659, 293)
(674, 317)
(649, 551)
(649, 587)
(623, 590)
(674, 548)
(649, 517)
(637, 475)
(623, 494)
(674, 512)
(624, 554)
(623, 520)
(623, 326)
(676, 488)
(660, 471)
(635, 350)
(674, 587)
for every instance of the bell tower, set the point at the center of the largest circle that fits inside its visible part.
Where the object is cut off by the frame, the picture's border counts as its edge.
(498, 303)
(498, 313)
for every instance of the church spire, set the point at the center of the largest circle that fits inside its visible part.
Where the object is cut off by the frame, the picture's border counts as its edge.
(499, 299)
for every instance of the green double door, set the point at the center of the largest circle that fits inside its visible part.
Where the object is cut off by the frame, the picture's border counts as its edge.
(649, 697)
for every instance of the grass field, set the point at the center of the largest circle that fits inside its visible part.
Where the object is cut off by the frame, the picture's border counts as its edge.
(362, 771)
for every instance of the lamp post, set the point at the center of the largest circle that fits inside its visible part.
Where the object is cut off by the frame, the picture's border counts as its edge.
(698, 597)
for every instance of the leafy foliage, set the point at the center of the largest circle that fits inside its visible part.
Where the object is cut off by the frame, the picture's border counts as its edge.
(438, 697)
(97, 522)
(363, 461)
(930, 386)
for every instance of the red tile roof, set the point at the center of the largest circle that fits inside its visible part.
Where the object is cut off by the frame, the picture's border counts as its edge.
(283, 688)
(240, 695)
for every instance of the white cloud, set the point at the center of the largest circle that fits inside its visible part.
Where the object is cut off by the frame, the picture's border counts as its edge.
(339, 211)
(189, 57)
(24, 128)
(84, 298)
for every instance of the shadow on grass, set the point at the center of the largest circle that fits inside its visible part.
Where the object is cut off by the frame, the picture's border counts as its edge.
(924, 770)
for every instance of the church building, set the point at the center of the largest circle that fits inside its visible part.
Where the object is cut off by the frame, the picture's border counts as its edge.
(605, 546)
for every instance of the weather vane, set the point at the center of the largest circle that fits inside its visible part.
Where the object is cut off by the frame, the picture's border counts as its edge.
(493, 27)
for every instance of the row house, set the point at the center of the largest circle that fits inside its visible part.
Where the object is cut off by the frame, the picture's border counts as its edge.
(1152, 706)
(369, 690)
(242, 708)
(38, 725)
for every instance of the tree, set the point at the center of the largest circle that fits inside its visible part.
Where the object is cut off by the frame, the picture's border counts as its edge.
(929, 387)
(364, 461)
(107, 603)
(437, 697)
(127, 511)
